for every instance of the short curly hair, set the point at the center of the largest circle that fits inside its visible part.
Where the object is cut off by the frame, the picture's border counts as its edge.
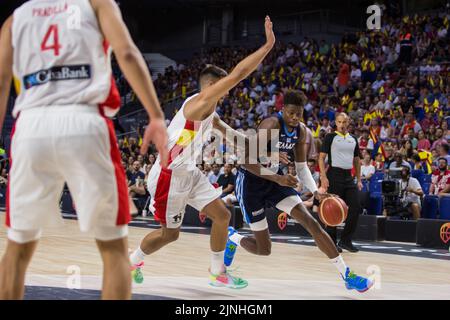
(294, 97)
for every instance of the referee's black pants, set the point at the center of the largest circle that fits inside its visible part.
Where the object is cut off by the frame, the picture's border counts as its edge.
(343, 185)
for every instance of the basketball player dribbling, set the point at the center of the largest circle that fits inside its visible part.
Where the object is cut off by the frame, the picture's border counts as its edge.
(183, 183)
(58, 52)
(253, 190)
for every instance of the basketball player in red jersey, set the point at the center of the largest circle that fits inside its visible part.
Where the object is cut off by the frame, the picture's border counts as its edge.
(59, 56)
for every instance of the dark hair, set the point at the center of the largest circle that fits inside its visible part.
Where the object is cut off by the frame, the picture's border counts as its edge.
(407, 168)
(446, 147)
(212, 71)
(415, 157)
(294, 97)
(442, 158)
(312, 160)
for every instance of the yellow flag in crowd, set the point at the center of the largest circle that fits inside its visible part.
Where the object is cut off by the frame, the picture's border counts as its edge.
(308, 57)
(316, 131)
(428, 157)
(350, 106)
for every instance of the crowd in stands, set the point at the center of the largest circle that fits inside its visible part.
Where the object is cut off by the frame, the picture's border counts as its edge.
(393, 83)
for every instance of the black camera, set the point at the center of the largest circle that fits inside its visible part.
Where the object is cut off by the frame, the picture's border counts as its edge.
(390, 188)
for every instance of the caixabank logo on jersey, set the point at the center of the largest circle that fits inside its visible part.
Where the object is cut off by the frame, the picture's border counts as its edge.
(74, 72)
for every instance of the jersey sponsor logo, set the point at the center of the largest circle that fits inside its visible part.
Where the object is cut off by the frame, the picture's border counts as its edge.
(285, 145)
(257, 213)
(74, 72)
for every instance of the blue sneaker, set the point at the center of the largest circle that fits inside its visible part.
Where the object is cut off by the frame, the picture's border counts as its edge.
(353, 281)
(230, 249)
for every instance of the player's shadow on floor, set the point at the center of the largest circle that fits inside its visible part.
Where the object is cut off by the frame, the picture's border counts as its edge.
(55, 293)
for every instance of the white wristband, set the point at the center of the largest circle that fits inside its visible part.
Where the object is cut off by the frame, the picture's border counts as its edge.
(305, 176)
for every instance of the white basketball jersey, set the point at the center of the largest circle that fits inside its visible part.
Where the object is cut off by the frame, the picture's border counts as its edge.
(61, 57)
(186, 139)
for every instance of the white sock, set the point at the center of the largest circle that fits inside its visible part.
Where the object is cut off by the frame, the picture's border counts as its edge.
(137, 256)
(339, 263)
(236, 238)
(217, 266)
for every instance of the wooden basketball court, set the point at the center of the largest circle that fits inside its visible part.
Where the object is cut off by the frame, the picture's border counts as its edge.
(180, 271)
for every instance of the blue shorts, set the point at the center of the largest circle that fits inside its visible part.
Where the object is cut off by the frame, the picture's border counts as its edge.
(255, 194)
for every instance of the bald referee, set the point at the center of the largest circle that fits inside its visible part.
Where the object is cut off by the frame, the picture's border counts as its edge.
(343, 153)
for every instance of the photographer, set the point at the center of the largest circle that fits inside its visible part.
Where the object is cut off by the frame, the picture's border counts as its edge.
(411, 192)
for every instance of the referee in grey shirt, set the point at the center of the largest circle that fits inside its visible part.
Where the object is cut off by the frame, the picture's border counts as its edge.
(343, 153)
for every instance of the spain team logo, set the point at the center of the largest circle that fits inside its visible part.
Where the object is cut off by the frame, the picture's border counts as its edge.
(282, 220)
(445, 232)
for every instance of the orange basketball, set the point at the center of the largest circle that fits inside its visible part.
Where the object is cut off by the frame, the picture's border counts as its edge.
(333, 211)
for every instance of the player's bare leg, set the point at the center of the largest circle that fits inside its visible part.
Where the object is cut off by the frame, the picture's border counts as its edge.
(321, 237)
(220, 217)
(13, 266)
(159, 238)
(116, 269)
(151, 243)
(260, 244)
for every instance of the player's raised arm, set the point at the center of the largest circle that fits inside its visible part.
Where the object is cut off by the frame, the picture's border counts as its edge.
(135, 70)
(205, 102)
(6, 62)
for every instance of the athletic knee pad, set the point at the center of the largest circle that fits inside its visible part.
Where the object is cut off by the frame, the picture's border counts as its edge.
(110, 233)
(287, 204)
(24, 236)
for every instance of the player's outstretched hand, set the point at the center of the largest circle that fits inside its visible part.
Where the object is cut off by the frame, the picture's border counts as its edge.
(156, 132)
(270, 36)
(287, 180)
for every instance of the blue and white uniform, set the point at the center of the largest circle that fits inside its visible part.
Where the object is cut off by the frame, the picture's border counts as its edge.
(255, 194)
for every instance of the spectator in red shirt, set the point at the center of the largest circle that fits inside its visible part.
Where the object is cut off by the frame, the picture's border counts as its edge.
(343, 78)
(410, 124)
(440, 181)
(424, 143)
